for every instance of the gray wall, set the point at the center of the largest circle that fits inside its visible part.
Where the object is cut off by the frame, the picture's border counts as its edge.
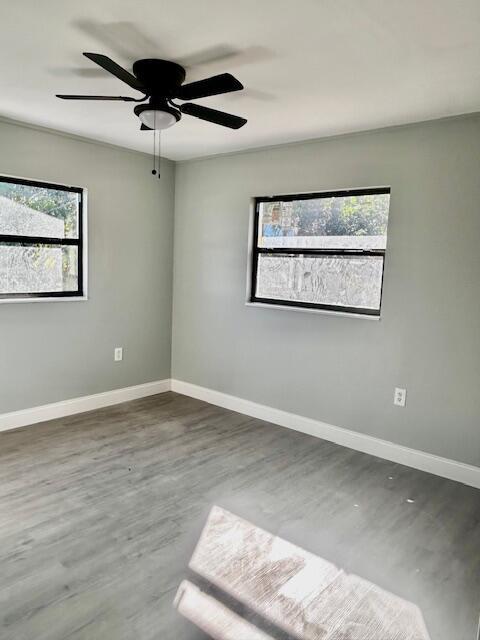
(336, 369)
(51, 351)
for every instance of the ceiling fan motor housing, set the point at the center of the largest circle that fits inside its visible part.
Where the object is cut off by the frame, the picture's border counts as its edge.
(160, 77)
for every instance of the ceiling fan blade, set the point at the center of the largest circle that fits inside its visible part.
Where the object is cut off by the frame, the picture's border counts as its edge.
(223, 83)
(145, 128)
(115, 69)
(215, 54)
(212, 115)
(66, 96)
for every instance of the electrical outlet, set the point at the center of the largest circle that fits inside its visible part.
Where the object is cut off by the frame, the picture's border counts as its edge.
(118, 354)
(400, 397)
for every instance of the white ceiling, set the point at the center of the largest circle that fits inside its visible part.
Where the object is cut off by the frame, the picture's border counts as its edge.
(311, 68)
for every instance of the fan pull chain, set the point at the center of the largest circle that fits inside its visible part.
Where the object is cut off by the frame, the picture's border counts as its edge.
(159, 156)
(154, 171)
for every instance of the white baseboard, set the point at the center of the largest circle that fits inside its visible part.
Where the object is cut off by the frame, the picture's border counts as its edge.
(45, 412)
(458, 471)
(451, 469)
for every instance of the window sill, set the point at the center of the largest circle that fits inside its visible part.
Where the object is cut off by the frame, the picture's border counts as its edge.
(54, 299)
(327, 312)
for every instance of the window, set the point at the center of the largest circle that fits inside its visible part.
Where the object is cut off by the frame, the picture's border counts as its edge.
(321, 250)
(41, 240)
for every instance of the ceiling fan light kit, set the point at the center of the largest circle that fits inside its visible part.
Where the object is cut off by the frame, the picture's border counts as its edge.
(157, 116)
(161, 82)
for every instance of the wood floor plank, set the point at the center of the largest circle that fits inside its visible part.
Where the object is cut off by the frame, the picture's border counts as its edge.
(100, 512)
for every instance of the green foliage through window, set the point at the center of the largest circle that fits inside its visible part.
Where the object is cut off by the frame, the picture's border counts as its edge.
(356, 215)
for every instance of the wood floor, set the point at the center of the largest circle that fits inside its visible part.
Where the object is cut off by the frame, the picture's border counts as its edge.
(100, 513)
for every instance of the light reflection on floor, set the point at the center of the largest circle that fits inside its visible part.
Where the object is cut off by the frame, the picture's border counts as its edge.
(213, 617)
(301, 593)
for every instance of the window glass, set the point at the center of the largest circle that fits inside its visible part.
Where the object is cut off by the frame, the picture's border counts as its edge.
(329, 280)
(27, 210)
(37, 268)
(353, 221)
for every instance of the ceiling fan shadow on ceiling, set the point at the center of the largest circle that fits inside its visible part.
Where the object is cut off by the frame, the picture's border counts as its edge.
(161, 82)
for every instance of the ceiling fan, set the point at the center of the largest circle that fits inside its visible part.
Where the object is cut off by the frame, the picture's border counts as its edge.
(161, 82)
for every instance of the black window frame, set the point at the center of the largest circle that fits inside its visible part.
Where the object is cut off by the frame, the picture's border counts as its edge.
(257, 251)
(24, 241)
